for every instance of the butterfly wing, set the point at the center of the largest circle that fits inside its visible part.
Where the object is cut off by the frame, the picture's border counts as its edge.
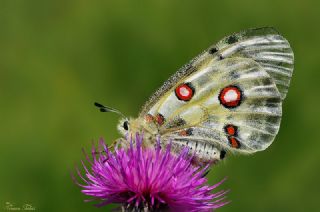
(264, 45)
(236, 105)
(228, 96)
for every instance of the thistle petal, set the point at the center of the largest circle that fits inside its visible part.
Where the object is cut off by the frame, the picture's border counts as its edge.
(148, 179)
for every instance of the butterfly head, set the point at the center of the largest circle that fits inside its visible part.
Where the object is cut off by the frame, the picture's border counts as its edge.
(124, 126)
(132, 126)
(124, 122)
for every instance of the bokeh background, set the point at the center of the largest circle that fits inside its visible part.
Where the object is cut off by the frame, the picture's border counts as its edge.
(58, 57)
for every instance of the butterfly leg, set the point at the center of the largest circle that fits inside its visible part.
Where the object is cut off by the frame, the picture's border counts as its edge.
(110, 147)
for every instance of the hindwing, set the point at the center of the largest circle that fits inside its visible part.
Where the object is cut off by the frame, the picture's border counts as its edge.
(234, 92)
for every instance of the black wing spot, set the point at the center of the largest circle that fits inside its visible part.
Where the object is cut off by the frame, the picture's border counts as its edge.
(213, 50)
(178, 122)
(189, 132)
(234, 75)
(232, 39)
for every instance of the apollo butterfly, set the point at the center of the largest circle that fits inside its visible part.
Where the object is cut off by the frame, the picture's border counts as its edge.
(228, 98)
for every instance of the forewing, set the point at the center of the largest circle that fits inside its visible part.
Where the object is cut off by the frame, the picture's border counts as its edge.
(263, 45)
(267, 47)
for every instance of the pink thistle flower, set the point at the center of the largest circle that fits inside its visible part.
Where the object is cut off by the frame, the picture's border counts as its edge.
(149, 179)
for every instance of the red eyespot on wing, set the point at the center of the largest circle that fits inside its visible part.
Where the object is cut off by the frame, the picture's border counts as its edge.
(231, 132)
(149, 118)
(230, 97)
(184, 92)
(234, 143)
(160, 119)
(183, 133)
(230, 129)
(186, 132)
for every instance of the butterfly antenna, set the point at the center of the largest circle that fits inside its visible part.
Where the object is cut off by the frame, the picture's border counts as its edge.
(103, 108)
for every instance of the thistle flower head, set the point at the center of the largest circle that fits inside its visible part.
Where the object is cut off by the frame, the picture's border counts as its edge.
(148, 179)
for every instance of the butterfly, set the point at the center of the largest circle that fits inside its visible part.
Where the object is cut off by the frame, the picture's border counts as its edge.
(227, 99)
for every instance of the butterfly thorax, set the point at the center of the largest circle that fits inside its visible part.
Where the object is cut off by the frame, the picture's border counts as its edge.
(149, 129)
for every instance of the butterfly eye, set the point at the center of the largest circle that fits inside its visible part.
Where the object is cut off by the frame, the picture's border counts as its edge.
(222, 154)
(126, 125)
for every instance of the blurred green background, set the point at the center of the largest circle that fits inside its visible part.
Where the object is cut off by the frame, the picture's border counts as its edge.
(58, 57)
